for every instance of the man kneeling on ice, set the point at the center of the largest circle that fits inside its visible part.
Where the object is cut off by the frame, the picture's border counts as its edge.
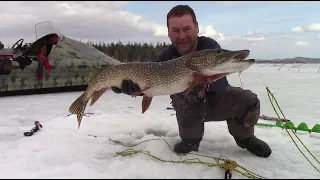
(239, 107)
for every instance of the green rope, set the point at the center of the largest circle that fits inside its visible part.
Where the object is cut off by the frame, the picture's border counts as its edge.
(269, 93)
(227, 164)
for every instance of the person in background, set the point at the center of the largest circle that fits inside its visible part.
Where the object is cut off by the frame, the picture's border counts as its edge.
(1, 45)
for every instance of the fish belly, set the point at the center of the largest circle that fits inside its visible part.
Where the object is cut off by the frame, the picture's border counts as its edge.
(169, 88)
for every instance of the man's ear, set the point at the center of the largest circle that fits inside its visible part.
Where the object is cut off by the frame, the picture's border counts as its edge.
(197, 26)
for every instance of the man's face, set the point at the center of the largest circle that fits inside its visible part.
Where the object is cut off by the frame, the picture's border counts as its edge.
(183, 33)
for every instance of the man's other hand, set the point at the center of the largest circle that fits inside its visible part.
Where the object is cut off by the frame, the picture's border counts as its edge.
(128, 87)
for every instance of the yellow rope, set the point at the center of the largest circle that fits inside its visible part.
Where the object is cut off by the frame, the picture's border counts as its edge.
(228, 165)
(273, 98)
(269, 93)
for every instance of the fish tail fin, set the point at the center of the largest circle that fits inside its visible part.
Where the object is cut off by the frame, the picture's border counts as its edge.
(78, 107)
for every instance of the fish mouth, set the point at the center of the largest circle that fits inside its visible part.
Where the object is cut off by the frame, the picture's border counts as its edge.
(236, 62)
(241, 56)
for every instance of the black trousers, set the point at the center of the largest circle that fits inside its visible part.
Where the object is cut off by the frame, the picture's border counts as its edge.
(238, 107)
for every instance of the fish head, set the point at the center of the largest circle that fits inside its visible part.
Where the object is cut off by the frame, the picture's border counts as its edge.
(216, 61)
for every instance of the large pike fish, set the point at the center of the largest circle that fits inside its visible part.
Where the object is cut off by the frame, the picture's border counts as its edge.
(164, 78)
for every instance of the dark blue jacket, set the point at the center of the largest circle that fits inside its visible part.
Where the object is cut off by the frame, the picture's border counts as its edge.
(203, 43)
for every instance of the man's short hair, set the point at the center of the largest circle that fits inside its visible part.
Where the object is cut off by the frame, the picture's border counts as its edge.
(179, 11)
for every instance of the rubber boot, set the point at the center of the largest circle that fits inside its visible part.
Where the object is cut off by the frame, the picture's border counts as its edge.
(255, 146)
(186, 146)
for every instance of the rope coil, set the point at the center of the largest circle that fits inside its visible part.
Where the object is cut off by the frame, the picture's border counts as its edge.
(228, 165)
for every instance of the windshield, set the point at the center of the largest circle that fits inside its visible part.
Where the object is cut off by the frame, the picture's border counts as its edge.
(45, 28)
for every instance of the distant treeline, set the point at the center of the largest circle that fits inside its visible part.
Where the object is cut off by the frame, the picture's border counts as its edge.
(131, 52)
(144, 52)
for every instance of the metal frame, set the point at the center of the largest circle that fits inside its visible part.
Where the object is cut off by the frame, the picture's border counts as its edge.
(61, 36)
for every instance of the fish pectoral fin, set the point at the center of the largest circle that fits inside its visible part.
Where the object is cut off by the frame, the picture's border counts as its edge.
(139, 92)
(191, 86)
(146, 101)
(197, 79)
(215, 77)
(203, 90)
(96, 95)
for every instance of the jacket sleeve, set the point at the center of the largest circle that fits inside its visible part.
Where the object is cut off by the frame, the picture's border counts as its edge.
(162, 56)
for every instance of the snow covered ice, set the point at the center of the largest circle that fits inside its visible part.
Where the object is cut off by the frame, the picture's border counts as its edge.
(60, 150)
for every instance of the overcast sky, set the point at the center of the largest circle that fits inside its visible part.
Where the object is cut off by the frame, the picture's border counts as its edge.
(268, 29)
